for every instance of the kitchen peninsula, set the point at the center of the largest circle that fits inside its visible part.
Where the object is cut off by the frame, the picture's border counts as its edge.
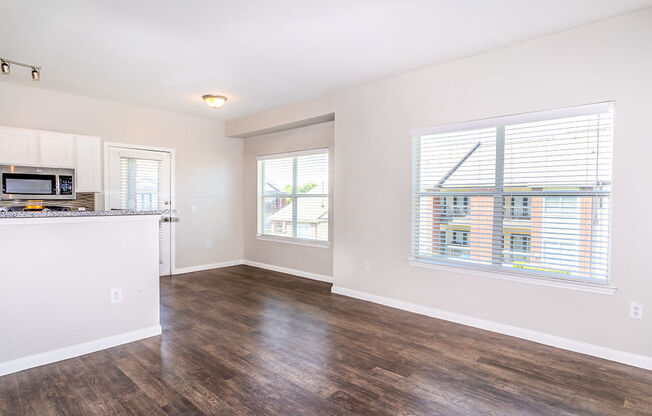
(76, 282)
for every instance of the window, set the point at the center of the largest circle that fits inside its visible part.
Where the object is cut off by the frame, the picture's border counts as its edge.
(527, 194)
(454, 243)
(519, 248)
(293, 195)
(139, 184)
(519, 208)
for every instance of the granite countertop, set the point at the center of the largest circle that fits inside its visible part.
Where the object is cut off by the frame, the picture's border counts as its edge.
(51, 214)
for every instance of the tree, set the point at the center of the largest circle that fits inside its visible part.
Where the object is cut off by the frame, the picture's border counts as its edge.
(305, 188)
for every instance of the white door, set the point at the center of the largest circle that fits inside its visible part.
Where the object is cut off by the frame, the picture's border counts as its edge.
(140, 180)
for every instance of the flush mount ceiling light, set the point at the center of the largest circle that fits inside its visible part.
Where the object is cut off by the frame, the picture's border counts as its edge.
(215, 101)
(6, 68)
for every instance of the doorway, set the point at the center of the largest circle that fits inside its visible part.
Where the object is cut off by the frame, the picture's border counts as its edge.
(140, 178)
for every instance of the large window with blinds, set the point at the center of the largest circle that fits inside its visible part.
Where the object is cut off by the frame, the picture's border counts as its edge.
(293, 196)
(526, 194)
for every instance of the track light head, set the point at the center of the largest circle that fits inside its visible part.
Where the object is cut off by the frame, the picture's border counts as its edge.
(5, 65)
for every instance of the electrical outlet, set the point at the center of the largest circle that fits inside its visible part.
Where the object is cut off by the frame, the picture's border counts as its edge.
(365, 266)
(116, 294)
(209, 244)
(140, 292)
(635, 310)
(194, 209)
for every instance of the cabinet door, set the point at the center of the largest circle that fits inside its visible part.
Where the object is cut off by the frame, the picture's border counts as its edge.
(57, 150)
(18, 147)
(88, 168)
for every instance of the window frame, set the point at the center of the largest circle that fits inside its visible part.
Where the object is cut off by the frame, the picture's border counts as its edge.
(294, 196)
(548, 279)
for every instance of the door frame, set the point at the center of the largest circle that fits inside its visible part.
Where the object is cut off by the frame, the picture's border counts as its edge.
(173, 200)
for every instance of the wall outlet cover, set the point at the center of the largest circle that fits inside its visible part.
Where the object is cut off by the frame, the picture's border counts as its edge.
(635, 310)
(116, 294)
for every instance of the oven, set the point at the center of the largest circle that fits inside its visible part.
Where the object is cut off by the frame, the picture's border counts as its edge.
(25, 182)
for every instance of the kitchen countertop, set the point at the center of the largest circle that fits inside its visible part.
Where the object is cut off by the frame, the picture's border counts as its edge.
(52, 214)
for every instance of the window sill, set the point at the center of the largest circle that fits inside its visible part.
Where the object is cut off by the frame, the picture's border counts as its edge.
(295, 241)
(604, 289)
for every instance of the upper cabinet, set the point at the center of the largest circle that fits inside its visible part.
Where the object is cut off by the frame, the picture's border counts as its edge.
(88, 168)
(57, 150)
(18, 147)
(25, 147)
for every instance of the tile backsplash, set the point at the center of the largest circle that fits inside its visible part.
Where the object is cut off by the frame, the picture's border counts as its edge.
(84, 200)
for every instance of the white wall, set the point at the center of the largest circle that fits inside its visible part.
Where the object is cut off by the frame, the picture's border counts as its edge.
(608, 60)
(317, 260)
(208, 164)
(55, 285)
(265, 121)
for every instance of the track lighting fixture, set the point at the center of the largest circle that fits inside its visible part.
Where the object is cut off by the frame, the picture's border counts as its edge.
(6, 69)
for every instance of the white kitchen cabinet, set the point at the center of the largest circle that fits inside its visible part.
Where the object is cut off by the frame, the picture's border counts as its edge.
(18, 147)
(57, 150)
(88, 168)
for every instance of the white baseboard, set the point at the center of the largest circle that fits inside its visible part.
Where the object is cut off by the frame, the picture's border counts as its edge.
(530, 335)
(72, 351)
(300, 273)
(199, 268)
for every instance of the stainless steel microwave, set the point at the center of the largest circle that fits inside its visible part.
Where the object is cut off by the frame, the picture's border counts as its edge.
(25, 182)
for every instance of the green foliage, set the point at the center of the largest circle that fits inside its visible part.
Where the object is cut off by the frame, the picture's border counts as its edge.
(305, 188)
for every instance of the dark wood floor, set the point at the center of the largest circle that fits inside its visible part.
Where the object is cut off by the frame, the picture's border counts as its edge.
(243, 340)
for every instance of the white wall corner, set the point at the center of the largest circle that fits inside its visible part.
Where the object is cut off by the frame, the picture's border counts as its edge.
(280, 269)
(210, 266)
(295, 272)
(623, 357)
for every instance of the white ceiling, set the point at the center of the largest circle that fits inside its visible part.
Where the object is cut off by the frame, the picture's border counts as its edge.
(261, 53)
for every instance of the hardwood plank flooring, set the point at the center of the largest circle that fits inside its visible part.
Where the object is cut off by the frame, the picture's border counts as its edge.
(247, 341)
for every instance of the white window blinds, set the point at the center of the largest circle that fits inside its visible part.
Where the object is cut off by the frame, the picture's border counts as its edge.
(139, 184)
(523, 194)
(293, 195)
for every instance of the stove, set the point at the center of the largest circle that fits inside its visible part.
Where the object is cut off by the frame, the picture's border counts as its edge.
(33, 208)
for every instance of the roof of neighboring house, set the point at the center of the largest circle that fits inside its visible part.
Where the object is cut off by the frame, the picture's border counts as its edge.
(311, 210)
(270, 187)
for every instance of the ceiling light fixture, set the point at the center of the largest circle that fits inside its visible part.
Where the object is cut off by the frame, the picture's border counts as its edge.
(215, 101)
(6, 69)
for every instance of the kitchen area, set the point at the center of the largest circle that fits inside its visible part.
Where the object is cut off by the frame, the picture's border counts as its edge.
(80, 257)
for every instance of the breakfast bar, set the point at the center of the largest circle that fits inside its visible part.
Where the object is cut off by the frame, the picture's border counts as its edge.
(76, 282)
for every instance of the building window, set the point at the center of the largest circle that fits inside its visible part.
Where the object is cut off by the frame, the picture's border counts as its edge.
(519, 248)
(293, 195)
(454, 243)
(519, 208)
(527, 194)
